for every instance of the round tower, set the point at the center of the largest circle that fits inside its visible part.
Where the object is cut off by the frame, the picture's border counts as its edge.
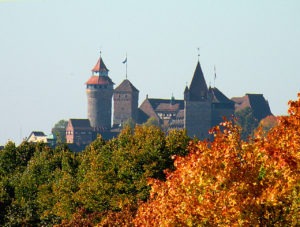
(99, 90)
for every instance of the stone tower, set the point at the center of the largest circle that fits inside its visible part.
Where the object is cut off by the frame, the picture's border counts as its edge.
(126, 98)
(197, 106)
(99, 90)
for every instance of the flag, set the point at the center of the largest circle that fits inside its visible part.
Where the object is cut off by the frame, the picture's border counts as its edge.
(125, 60)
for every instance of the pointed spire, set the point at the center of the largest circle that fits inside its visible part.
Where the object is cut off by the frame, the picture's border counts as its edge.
(198, 88)
(100, 67)
(186, 90)
(172, 99)
(186, 93)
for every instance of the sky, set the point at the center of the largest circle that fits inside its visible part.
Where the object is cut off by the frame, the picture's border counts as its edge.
(48, 48)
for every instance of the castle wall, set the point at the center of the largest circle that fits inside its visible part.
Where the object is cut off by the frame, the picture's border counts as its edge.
(125, 107)
(197, 120)
(219, 111)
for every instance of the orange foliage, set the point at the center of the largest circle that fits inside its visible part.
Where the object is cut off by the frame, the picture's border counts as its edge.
(268, 123)
(230, 182)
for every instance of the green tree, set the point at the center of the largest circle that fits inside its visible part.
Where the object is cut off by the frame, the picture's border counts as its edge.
(247, 121)
(130, 122)
(152, 122)
(43, 190)
(59, 130)
(113, 174)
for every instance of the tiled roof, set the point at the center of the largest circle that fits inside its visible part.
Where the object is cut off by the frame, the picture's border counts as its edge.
(156, 102)
(99, 80)
(256, 102)
(100, 66)
(198, 88)
(80, 123)
(167, 107)
(241, 102)
(126, 85)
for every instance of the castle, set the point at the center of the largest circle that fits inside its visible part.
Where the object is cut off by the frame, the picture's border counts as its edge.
(202, 108)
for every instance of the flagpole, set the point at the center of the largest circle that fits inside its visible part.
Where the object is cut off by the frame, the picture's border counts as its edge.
(125, 62)
(215, 76)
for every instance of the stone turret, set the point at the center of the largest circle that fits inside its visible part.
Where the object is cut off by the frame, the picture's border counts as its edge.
(197, 106)
(99, 90)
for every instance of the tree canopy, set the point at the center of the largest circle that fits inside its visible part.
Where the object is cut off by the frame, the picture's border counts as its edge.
(59, 130)
(145, 177)
(232, 182)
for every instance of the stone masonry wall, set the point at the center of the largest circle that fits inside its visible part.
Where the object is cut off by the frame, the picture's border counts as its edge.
(99, 107)
(197, 118)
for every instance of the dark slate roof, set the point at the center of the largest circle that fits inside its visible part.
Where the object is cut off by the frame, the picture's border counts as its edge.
(256, 102)
(80, 123)
(218, 96)
(126, 85)
(157, 102)
(38, 133)
(260, 106)
(142, 116)
(100, 66)
(198, 88)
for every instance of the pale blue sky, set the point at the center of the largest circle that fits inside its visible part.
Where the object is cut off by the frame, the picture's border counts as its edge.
(47, 49)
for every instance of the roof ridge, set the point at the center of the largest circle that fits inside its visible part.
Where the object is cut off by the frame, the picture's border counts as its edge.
(100, 66)
(125, 86)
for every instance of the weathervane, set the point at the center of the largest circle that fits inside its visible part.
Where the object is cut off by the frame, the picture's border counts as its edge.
(198, 53)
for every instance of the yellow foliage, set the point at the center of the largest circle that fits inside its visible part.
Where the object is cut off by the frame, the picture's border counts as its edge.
(230, 182)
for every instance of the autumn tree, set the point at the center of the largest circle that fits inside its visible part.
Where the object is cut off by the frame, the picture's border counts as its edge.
(231, 182)
(152, 121)
(268, 123)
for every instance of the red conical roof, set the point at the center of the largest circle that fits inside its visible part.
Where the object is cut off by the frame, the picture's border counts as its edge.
(100, 66)
(99, 80)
